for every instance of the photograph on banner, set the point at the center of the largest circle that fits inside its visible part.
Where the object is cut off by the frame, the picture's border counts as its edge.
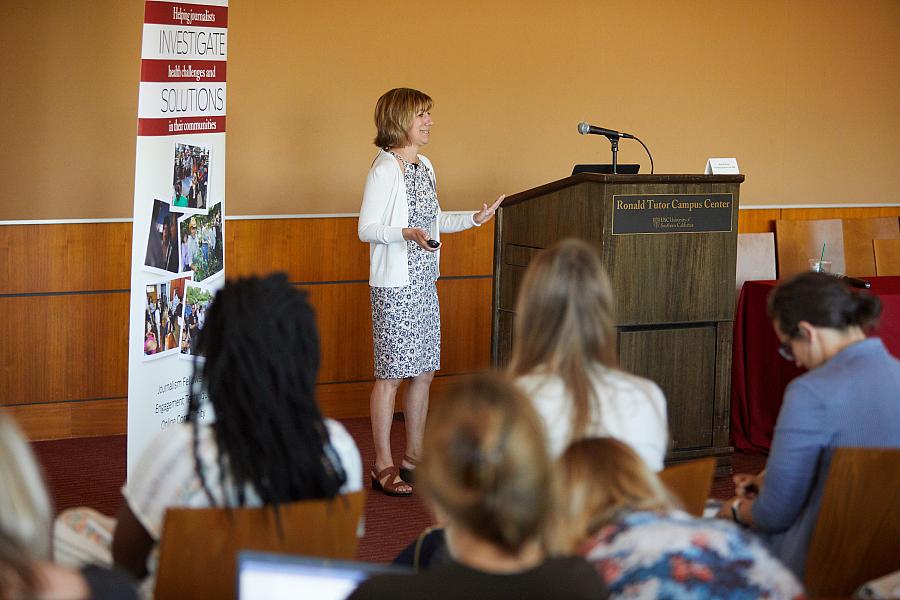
(202, 249)
(162, 256)
(196, 303)
(163, 323)
(190, 179)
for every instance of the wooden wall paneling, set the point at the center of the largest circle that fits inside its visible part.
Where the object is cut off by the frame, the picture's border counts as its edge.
(68, 374)
(840, 212)
(65, 257)
(351, 400)
(757, 220)
(58, 420)
(859, 253)
(465, 324)
(469, 252)
(326, 249)
(69, 347)
(887, 256)
(344, 400)
(344, 316)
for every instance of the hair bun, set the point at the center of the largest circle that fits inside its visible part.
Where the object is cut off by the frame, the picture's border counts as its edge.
(867, 310)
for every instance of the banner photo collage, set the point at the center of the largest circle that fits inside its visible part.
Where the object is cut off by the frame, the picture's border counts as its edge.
(178, 252)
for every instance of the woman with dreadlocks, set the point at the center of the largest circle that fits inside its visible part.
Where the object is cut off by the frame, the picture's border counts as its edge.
(268, 443)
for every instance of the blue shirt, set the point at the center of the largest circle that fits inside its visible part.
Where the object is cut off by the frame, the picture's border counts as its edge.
(852, 400)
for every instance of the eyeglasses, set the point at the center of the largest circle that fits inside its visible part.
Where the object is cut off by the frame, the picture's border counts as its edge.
(785, 351)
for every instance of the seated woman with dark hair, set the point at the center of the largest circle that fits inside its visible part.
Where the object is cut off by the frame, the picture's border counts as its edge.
(614, 511)
(268, 443)
(486, 473)
(849, 398)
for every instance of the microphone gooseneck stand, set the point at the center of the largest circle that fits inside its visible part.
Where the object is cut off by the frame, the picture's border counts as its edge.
(614, 145)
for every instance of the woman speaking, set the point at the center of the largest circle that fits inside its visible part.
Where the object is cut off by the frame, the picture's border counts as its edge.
(401, 220)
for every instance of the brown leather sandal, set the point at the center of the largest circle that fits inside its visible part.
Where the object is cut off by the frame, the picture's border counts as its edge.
(384, 481)
(408, 475)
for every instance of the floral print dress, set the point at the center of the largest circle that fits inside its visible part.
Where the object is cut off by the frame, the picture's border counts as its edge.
(406, 321)
(674, 555)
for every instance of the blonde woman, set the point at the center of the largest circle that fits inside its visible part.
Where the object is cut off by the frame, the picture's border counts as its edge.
(615, 512)
(25, 510)
(402, 222)
(25, 518)
(487, 476)
(564, 357)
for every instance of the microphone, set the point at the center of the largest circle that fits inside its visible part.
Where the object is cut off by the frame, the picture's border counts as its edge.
(853, 281)
(584, 129)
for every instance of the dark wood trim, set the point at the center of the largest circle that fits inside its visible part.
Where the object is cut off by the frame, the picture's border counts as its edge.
(560, 184)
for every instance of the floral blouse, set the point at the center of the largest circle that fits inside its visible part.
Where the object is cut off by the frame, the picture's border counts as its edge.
(674, 555)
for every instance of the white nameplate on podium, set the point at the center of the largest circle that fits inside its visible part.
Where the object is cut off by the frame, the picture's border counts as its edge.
(722, 166)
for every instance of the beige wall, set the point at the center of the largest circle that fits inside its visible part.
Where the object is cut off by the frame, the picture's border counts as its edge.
(803, 92)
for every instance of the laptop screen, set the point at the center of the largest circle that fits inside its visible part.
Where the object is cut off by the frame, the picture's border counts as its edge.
(264, 576)
(622, 169)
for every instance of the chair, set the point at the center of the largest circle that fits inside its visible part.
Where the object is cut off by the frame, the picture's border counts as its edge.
(690, 482)
(798, 241)
(857, 534)
(198, 551)
(858, 237)
(755, 258)
(887, 257)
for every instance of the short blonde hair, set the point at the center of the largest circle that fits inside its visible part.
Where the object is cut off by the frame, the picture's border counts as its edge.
(394, 113)
(485, 464)
(25, 510)
(597, 480)
(566, 290)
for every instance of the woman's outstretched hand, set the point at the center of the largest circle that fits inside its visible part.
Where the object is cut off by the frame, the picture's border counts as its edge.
(419, 236)
(487, 212)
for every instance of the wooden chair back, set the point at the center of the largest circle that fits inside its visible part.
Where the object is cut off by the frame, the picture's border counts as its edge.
(857, 534)
(858, 237)
(199, 547)
(690, 482)
(798, 241)
(887, 257)
(755, 258)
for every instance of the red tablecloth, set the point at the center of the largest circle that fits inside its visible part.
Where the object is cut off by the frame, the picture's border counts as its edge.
(759, 374)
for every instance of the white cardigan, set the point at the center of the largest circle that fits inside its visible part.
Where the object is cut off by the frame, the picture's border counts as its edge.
(384, 214)
(629, 408)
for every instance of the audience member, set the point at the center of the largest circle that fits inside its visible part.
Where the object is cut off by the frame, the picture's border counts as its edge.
(25, 516)
(268, 444)
(849, 398)
(616, 512)
(564, 356)
(486, 473)
(25, 510)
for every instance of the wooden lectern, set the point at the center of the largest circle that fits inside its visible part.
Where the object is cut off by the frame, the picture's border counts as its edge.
(669, 244)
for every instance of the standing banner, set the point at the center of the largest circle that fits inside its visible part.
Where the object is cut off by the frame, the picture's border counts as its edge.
(177, 250)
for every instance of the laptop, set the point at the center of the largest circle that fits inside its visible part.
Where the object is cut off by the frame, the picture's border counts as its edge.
(266, 576)
(626, 169)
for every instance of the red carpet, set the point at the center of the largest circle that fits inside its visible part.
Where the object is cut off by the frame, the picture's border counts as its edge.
(90, 471)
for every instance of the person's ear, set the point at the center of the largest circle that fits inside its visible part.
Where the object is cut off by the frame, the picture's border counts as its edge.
(806, 331)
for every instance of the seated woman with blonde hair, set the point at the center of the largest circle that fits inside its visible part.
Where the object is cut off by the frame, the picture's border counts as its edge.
(617, 514)
(564, 357)
(25, 518)
(486, 474)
